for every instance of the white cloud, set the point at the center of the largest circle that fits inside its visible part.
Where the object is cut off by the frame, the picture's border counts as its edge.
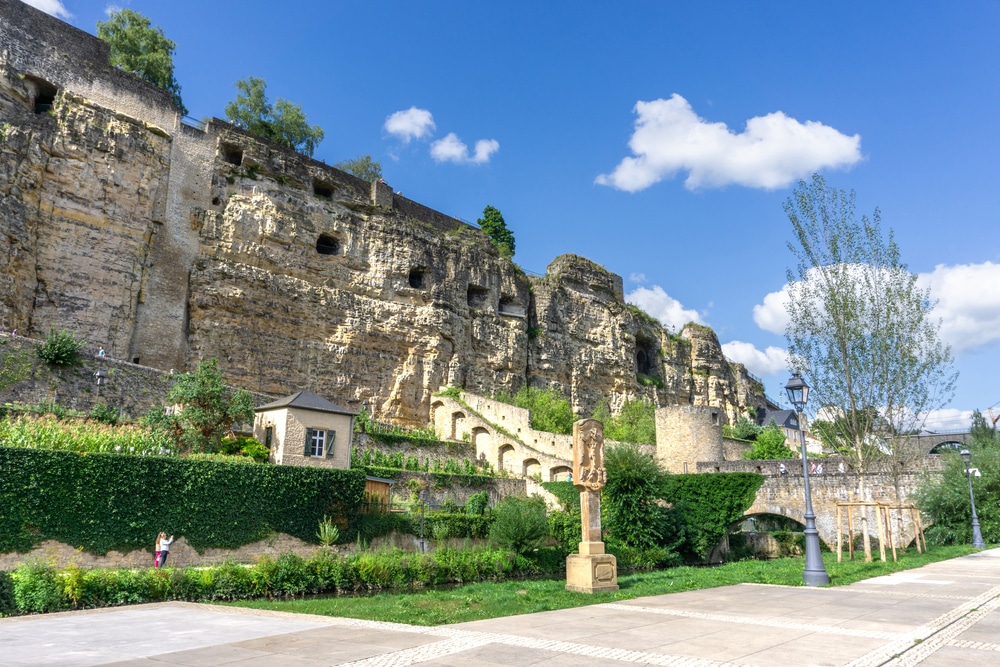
(771, 152)
(413, 123)
(968, 303)
(452, 149)
(771, 361)
(53, 7)
(948, 419)
(668, 310)
(968, 307)
(637, 277)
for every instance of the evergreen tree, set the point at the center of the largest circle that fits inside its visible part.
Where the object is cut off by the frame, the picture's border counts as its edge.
(493, 225)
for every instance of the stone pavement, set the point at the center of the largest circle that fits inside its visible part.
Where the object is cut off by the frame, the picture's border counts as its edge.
(946, 613)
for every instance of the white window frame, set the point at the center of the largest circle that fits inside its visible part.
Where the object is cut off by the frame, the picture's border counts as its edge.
(317, 444)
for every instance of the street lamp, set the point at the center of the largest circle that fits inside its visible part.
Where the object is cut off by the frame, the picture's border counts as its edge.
(977, 536)
(815, 573)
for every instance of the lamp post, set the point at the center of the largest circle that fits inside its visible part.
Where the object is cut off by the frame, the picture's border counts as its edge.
(815, 572)
(977, 536)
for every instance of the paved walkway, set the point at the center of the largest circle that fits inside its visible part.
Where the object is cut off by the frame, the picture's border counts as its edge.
(947, 613)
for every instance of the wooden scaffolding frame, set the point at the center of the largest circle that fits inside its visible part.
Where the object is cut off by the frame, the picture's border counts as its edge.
(883, 519)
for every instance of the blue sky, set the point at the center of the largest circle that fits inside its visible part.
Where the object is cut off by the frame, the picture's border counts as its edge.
(658, 139)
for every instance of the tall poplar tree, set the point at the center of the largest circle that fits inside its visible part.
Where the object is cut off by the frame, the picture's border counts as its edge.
(860, 330)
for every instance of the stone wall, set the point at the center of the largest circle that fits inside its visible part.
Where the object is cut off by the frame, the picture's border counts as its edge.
(687, 434)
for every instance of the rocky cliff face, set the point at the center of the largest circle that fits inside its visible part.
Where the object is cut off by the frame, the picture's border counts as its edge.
(169, 246)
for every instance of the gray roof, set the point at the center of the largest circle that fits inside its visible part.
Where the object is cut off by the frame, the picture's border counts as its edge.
(781, 417)
(306, 400)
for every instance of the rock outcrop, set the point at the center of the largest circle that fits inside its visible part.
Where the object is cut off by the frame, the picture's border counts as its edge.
(168, 243)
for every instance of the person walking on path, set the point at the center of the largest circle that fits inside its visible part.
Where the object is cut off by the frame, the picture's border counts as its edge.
(162, 549)
(782, 470)
(101, 353)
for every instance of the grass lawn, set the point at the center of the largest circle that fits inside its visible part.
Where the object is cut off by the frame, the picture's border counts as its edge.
(489, 600)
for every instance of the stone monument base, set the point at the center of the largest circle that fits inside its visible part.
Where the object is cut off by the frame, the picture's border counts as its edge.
(591, 573)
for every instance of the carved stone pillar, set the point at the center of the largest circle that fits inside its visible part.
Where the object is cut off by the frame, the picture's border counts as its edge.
(591, 570)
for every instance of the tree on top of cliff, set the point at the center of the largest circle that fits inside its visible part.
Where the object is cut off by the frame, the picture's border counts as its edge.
(493, 225)
(138, 47)
(283, 123)
(363, 166)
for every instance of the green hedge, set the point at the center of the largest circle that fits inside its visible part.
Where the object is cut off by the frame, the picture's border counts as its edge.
(104, 502)
(38, 588)
(709, 504)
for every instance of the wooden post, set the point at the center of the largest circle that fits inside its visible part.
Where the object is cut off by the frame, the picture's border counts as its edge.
(881, 531)
(850, 531)
(888, 530)
(840, 533)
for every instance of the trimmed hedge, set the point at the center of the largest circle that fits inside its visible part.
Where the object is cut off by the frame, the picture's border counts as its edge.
(38, 588)
(709, 504)
(103, 502)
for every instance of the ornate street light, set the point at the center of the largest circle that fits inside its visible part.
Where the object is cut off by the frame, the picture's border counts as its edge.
(977, 536)
(815, 572)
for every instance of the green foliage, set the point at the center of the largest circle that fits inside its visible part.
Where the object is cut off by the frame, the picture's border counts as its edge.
(245, 445)
(51, 433)
(649, 380)
(860, 327)
(15, 366)
(208, 408)
(519, 524)
(328, 532)
(60, 349)
(646, 318)
(945, 499)
(981, 431)
(770, 444)
(566, 492)
(636, 422)
(283, 123)
(632, 497)
(363, 166)
(103, 502)
(493, 225)
(550, 412)
(451, 392)
(743, 429)
(477, 504)
(709, 504)
(104, 413)
(138, 47)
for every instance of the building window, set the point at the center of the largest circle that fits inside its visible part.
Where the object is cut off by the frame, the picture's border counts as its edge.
(316, 443)
(268, 436)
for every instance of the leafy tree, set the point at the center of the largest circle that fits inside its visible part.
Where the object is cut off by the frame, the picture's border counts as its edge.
(550, 412)
(636, 422)
(363, 166)
(743, 429)
(284, 122)
(859, 328)
(519, 524)
(945, 499)
(632, 497)
(208, 408)
(493, 225)
(770, 444)
(859, 325)
(982, 431)
(138, 47)
(61, 348)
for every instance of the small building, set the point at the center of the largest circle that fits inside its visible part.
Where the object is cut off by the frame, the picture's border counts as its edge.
(306, 430)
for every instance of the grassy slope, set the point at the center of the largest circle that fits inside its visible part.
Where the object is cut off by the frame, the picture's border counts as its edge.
(490, 600)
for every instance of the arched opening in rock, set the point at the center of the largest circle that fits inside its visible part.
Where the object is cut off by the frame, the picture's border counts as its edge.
(418, 277)
(477, 296)
(232, 154)
(322, 189)
(327, 245)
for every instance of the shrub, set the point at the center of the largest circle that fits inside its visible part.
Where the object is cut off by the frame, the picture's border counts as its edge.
(946, 499)
(636, 422)
(61, 348)
(36, 589)
(770, 444)
(636, 517)
(519, 524)
(104, 413)
(550, 412)
(477, 503)
(707, 505)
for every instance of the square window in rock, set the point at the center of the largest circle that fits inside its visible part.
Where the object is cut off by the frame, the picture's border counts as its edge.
(232, 154)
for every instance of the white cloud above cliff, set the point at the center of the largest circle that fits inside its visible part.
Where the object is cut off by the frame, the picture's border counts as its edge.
(771, 361)
(772, 151)
(665, 308)
(54, 7)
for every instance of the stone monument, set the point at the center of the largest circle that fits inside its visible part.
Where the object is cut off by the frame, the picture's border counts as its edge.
(591, 570)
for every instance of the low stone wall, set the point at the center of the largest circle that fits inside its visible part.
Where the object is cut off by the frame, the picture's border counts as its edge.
(423, 452)
(496, 488)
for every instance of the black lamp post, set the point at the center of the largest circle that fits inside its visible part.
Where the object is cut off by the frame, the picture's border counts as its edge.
(815, 572)
(977, 536)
